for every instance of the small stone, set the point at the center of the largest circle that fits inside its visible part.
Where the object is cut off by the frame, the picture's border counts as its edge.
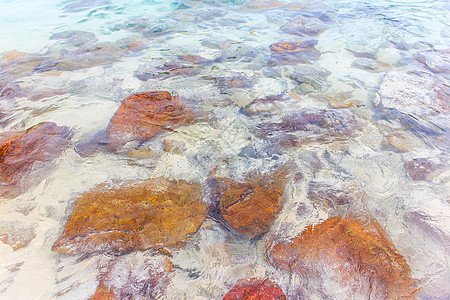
(168, 70)
(135, 215)
(16, 234)
(261, 5)
(233, 82)
(404, 141)
(194, 59)
(76, 38)
(11, 55)
(354, 253)
(250, 207)
(255, 289)
(369, 65)
(144, 279)
(284, 47)
(302, 26)
(313, 125)
(420, 168)
(342, 100)
(142, 116)
(26, 156)
(133, 45)
(292, 53)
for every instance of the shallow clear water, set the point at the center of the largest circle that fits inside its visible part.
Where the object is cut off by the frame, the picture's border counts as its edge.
(354, 105)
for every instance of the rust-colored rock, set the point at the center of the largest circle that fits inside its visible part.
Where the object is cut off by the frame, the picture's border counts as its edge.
(255, 289)
(142, 116)
(252, 206)
(29, 151)
(292, 53)
(104, 293)
(118, 219)
(353, 252)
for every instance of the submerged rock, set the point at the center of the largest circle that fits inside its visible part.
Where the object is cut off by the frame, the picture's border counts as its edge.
(420, 168)
(26, 156)
(353, 253)
(437, 61)
(261, 5)
(255, 289)
(16, 234)
(126, 279)
(302, 26)
(144, 115)
(313, 125)
(250, 207)
(136, 215)
(418, 100)
(76, 38)
(292, 53)
(369, 65)
(169, 69)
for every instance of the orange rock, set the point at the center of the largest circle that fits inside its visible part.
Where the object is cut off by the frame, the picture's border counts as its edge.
(282, 47)
(104, 293)
(255, 289)
(118, 219)
(140, 279)
(142, 116)
(20, 151)
(250, 207)
(356, 252)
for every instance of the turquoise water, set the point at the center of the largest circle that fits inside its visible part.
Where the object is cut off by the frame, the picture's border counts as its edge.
(359, 109)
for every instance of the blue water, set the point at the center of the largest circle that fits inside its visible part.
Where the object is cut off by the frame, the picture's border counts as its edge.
(380, 69)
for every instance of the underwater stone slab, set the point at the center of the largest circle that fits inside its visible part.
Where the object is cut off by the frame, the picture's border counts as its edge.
(261, 5)
(292, 53)
(250, 207)
(144, 115)
(313, 125)
(354, 253)
(144, 278)
(135, 215)
(255, 289)
(16, 234)
(26, 156)
(302, 26)
(168, 70)
(76, 38)
(417, 99)
(437, 61)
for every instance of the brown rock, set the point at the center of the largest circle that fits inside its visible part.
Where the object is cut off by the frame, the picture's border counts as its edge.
(250, 207)
(118, 219)
(292, 53)
(352, 252)
(29, 151)
(104, 293)
(142, 116)
(255, 289)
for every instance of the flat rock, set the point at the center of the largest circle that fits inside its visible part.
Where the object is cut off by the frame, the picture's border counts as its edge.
(370, 65)
(255, 289)
(418, 100)
(142, 116)
(250, 207)
(168, 70)
(76, 38)
(312, 125)
(144, 279)
(262, 5)
(16, 234)
(304, 26)
(420, 168)
(354, 253)
(26, 156)
(437, 61)
(136, 215)
(292, 53)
